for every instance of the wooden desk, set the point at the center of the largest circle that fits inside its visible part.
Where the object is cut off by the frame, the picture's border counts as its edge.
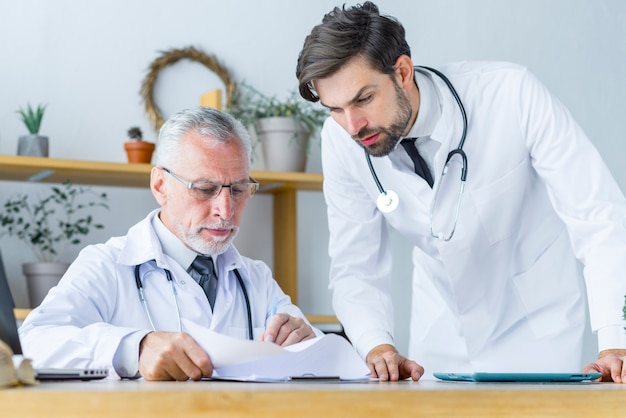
(222, 399)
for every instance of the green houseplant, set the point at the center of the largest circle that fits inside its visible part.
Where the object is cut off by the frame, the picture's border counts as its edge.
(284, 128)
(138, 150)
(33, 144)
(47, 226)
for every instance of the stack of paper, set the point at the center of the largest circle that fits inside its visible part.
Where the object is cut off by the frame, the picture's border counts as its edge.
(233, 358)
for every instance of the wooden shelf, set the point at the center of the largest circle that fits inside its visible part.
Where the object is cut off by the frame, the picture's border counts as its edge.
(51, 170)
(22, 313)
(282, 185)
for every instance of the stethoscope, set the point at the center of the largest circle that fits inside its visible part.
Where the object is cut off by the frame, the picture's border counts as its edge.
(388, 200)
(170, 281)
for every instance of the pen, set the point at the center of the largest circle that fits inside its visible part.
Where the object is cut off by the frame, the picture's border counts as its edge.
(274, 307)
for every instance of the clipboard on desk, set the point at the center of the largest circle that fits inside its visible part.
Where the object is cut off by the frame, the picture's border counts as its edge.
(518, 377)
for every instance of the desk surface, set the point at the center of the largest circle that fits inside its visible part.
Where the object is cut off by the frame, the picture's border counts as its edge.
(227, 399)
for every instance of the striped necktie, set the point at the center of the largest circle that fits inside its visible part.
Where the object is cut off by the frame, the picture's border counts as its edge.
(203, 272)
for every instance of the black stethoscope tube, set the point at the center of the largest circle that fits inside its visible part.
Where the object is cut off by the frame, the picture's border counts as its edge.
(168, 275)
(245, 296)
(388, 200)
(459, 148)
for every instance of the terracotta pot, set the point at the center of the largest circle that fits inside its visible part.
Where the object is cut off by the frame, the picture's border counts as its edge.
(139, 151)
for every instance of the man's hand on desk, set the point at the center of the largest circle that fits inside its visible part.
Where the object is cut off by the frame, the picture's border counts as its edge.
(387, 364)
(612, 365)
(284, 329)
(172, 356)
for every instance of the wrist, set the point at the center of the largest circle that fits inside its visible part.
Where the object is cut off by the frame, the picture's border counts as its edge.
(380, 349)
(618, 352)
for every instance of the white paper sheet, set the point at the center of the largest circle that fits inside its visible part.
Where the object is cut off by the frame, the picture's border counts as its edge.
(328, 355)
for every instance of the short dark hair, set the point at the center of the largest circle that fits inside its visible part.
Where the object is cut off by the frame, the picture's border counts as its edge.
(345, 34)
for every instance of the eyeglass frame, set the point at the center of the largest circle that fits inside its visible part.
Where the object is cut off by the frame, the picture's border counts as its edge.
(252, 183)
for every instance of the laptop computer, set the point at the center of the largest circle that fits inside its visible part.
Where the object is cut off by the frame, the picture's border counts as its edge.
(9, 334)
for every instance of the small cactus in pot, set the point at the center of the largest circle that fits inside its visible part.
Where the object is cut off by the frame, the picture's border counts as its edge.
(138, 150)
(135, 134)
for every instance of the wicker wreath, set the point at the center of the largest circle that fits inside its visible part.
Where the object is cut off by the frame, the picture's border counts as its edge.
(171, 57)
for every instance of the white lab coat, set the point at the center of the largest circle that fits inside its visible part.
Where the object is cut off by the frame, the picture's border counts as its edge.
(506, 293)
(96, 304)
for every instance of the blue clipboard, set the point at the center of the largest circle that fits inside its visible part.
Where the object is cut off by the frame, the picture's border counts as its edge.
(518, 377)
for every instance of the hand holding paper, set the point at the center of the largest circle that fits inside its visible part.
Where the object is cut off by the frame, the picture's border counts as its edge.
(328, 355)
(285, 330)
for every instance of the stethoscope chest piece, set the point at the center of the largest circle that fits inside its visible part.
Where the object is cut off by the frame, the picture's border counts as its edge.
(387, 201)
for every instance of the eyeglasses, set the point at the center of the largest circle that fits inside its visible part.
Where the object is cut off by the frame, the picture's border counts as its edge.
(209, 190)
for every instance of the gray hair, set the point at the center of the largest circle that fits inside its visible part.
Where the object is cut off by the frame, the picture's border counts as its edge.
(205, 121)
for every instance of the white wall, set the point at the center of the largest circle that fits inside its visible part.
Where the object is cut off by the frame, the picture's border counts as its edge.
(87, 59)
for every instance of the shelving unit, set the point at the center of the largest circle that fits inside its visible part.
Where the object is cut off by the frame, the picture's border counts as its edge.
(283, 186)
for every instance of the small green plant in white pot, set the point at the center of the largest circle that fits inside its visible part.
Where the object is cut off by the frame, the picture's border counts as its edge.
(47, 226)
(33, 144)
(284, 128)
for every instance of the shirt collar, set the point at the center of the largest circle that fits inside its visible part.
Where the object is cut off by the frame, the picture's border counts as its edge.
(429, 111)
(172, 246)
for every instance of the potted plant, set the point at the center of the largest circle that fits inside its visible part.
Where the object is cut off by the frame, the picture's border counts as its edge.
(284, 128)
(47, 226)
(33, 145)
(138, 150)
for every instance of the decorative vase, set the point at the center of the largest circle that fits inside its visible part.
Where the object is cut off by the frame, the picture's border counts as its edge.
(41, 277)
(139, 151)
(283, 142)
(32, 145)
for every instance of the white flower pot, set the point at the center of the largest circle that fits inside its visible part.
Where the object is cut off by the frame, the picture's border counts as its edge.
(283, 142)
(40, 278)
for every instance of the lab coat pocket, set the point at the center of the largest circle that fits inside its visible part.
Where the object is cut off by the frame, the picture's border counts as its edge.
(499, 203)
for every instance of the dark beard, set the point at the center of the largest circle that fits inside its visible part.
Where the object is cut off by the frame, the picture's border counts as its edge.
(390, 136)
